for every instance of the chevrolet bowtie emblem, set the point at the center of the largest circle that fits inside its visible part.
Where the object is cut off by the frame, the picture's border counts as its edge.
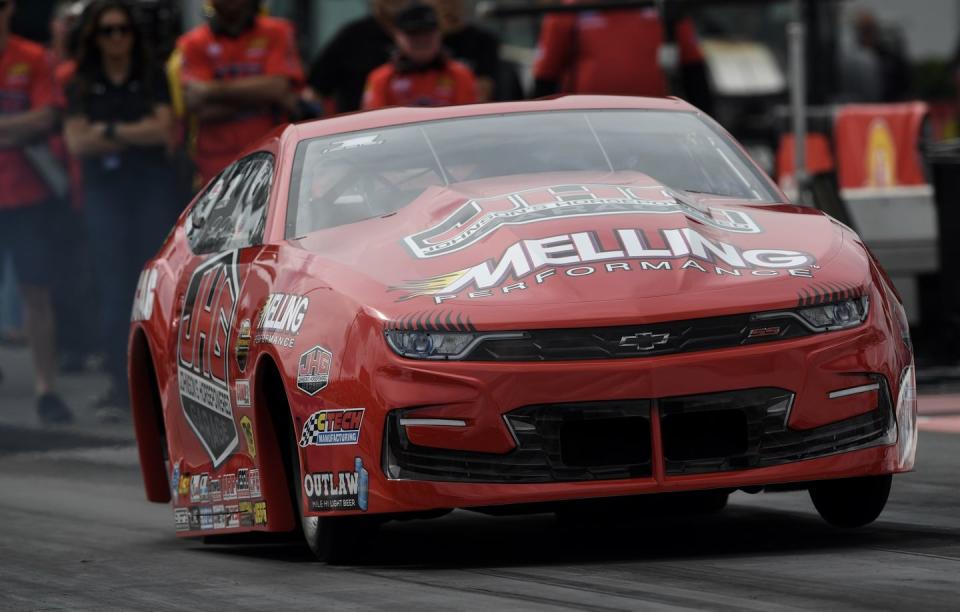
(644, 341)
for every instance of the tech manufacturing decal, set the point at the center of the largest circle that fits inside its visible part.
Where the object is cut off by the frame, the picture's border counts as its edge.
(210, 304)
(481, 217)
(345, 490)
(332, 428)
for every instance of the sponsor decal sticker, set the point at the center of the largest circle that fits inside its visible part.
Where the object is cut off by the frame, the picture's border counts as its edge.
(527, 264)
(246, 514)
(199, 488)
(332, 427)
(181, 519)
(228, 486)
(280, 319)
(242, 350)
(243, 393)
(313, 373)
(233, 516)
(206, 517)
(243, 483)
(214, 490)
(194, 518)
(260, 513)
(255, 483)
(203, 347)
(219, 517)
(175, 482)
(145, 296)
(184, 488)
(482, 217)
(247, 426)
(327, 491)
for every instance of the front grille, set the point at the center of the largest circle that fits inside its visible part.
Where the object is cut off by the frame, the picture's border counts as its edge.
(555, 442)
(714, 432)
(638, 340)
(763, 439)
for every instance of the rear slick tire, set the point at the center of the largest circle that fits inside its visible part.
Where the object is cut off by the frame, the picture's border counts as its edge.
(851, 502)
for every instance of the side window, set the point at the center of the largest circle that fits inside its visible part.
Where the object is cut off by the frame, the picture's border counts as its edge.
(231, 214)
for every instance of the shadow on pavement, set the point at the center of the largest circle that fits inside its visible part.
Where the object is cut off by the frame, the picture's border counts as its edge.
(466, 540)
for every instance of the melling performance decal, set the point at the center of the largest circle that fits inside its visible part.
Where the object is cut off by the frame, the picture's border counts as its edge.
(584, 254)
(202, 354)
(332, 427)
(483, 216)
(280, 319)
(313, 372)
(328, 491)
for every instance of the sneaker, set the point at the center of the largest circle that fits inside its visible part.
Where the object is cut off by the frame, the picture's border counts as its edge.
(111, 415)
(52, 410)
(112, 407)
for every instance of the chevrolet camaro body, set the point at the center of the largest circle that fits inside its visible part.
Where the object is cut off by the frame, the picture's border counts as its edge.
(413, 310)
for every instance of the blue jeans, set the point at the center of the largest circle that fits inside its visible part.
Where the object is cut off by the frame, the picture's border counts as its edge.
(127, 215)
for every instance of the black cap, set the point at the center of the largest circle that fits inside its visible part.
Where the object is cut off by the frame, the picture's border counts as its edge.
(416, 17)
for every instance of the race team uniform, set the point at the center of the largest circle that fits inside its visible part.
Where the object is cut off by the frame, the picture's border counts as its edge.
(26, 83)
(610, 52)
(266, 48)
(440, 83)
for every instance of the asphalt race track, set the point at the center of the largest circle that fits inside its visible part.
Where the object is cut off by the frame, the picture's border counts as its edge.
(76, 534)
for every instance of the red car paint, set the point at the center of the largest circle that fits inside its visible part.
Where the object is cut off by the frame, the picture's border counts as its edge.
(361, 279)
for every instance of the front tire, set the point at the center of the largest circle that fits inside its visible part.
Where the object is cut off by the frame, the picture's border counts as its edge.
(334, 540)
(851, 502)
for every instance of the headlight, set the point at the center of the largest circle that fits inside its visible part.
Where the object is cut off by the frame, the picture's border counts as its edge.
(837, 315)
(439, 345)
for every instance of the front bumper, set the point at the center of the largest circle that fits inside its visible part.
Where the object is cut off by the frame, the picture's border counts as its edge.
(473, 406)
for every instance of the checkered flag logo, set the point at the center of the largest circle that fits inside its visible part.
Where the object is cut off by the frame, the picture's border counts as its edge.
(310, 430)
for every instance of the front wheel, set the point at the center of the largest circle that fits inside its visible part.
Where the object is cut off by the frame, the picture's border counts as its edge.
(851, 502)
(335, 540)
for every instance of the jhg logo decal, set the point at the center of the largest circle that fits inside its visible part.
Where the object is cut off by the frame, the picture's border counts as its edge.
(482, 216)
(202, 354)
(313, 373)
(332, 427)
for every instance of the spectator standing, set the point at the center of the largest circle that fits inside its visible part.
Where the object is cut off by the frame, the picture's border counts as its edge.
(119, 124)
(28, 116)
(420, 73)
(472, 45)
(238, 75)
(339, 73)
(615, 52)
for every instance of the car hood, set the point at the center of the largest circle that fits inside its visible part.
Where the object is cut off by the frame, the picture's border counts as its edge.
(545, 249)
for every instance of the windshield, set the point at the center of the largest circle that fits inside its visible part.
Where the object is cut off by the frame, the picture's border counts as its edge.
(351, 177)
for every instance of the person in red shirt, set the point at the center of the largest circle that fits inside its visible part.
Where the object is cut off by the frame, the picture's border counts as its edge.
(238, 74)
(420, 73)
(28, 117)
(613, 52)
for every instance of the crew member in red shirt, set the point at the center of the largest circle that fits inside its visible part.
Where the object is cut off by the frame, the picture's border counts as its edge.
(613, 52)
(420, 73)
(27, 117)
(238, 76)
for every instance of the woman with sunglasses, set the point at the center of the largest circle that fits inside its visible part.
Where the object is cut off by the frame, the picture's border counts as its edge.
(119, 122)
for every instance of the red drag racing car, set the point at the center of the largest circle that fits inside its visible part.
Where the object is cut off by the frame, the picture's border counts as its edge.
(401, 312)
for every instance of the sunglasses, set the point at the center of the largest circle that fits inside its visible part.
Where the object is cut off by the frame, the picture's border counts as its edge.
(108, 31)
